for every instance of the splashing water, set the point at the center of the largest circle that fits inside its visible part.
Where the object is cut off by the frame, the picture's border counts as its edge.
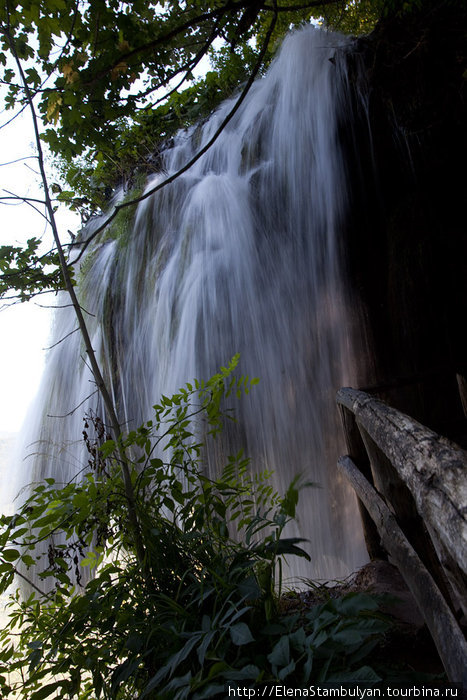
(243, 253)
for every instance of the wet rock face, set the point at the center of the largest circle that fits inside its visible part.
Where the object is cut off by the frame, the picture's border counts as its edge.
(381, 577)
(408, 245)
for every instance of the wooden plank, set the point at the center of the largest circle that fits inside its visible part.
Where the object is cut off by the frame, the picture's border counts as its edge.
(448, 637)
(456, 578)
(433, 469)
(401, 502)
(462, 386)
(356, 449)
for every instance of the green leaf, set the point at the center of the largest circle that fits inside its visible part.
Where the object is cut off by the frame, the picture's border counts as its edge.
(170, 667)
(10, 554)
(240, 634)
(28, 560)
(287, 670)
(46, 691)
(354, 603)
(134, 642)
(204, 645)
(280, 655)
(248, 672)
(348, 637)
(364, 674)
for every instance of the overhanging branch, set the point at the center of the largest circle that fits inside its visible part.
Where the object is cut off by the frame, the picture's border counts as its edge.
(196, 157)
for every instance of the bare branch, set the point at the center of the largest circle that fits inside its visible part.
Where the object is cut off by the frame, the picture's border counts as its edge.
(63, 306)
(187, 68)
(31, 169)
(19, 199)
(70, 413)
(15, 116)
(17, 160)
(305, 6)
(62, 339)
(17, 298)
(29, 201)
(31, 583)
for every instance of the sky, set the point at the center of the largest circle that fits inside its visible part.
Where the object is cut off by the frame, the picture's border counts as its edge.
(24, 328)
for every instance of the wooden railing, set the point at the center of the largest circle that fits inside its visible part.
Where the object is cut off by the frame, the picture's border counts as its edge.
(412, 490)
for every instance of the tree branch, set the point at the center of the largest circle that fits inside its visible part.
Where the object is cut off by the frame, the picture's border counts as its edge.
(187, 68)
(180, 29)
(62, 339)
(73, 410)
(195, 158)
(17, 160)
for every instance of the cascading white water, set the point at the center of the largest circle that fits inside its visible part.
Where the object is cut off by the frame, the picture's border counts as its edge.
(240, 254)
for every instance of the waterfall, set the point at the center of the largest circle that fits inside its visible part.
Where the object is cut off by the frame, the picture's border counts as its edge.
(243, 253)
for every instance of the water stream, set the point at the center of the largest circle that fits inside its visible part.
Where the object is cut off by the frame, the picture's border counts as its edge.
(243, 253)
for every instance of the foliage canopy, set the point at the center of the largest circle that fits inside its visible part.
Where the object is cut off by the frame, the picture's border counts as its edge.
(108, 76)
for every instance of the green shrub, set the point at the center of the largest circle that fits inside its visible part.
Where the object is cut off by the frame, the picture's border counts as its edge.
(201, 609)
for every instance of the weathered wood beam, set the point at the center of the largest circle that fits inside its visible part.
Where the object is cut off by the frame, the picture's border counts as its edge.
(434, 470)
(401, 502)
(356, 449)
(462, 386)
(448, 637)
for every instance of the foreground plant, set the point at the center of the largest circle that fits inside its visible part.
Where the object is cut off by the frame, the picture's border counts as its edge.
(202, 611)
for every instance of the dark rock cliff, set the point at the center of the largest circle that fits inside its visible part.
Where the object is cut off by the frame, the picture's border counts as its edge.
(407, 238)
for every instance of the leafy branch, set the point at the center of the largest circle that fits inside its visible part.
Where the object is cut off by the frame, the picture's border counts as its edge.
(132, 201)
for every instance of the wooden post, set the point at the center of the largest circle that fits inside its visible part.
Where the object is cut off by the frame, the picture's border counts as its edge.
(462, 385)
(356, 450)
(434, 470)
(448, 637)
(401, 502)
